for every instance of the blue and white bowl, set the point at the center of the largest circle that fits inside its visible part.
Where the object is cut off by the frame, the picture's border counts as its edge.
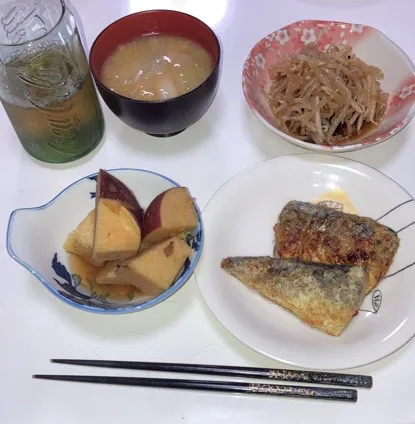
(35, 244)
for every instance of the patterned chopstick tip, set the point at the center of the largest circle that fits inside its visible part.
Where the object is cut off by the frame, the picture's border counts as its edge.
(322, 378)
(287, 375)
(305, 392)
(279, 390)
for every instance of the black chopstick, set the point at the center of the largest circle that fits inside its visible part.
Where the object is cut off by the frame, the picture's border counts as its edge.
(315, 377)
(346, 395)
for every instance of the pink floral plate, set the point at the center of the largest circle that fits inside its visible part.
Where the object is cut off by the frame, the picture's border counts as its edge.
(368, 43)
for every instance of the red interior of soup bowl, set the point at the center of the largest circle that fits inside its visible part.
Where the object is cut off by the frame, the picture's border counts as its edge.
(169, 22)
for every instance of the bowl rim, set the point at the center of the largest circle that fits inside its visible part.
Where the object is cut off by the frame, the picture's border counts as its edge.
(403, 123)
(154, 102)
(176, 286)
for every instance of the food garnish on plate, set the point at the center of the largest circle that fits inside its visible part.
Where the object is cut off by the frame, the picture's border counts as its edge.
(323, 296)
(117, 245)
(336, 198)
(326, 97)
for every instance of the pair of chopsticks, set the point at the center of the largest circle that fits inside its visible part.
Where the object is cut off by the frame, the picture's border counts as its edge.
(310, 392)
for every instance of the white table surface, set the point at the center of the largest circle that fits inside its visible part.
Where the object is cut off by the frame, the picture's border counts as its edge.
(35, 326)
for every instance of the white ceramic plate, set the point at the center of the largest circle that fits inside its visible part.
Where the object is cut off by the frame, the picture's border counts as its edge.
(239, 220)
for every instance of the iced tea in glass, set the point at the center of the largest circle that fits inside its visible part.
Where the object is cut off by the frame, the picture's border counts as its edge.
(45, 83)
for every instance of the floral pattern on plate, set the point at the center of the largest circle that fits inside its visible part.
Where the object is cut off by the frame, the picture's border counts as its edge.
(369, 44)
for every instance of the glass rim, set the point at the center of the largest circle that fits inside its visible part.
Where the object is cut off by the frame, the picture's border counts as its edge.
(25, 43)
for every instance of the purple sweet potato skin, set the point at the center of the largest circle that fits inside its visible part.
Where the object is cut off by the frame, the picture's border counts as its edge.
(109, 187)
(152, 217)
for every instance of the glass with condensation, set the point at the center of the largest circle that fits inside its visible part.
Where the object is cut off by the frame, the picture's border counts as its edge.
(45, 83)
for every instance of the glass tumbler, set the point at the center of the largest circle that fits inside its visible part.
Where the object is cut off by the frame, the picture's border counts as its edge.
(45, 83)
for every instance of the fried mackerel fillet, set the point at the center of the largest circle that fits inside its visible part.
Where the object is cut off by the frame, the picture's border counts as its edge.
(317, 233)
(323, 296)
